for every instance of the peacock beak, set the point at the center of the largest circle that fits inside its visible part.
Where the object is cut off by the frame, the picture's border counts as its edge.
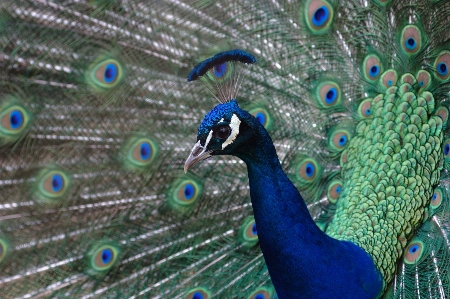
(198, 153)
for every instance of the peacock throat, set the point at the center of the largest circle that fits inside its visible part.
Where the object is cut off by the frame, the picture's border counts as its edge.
(389, 172)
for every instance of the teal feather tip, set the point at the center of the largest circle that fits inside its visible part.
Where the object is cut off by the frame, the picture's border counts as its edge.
(263, 117)
(261, 111)
(140, 152)
(198, 293)
(52, 184)
(411, 40)
(406, 82)
(372, 68)
(442, 65)
(365, 109)
(442, 112)
(437, 198)
(318, 16)
(338, 138)
(4, 249)
(343, 158)
(184, 193)
(14, 120)
(446, 152)
(388, 79)
(105, 74)
(334, 190)
(248, 233)
(329, 95)
(308, 171)
(262, 293)
(424, 80)
(101, 258)
(414, 252)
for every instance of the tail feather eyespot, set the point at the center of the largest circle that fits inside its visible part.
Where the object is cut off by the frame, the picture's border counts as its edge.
(184, 193)
(248, 233)
(334, 190)
(102, 256)
(308, 171)
(411, 40)
(372, 67)
(14, 121)
(414, 251)
(319, 16)
(329, 95)
(105, 74)
(442, 65)
(198, 293)
(51, 185)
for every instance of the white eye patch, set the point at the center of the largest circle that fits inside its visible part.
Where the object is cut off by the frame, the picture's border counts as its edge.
(208, 139)
(234, 125)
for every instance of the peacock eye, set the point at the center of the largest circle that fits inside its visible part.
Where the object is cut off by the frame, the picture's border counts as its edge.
(222, 132)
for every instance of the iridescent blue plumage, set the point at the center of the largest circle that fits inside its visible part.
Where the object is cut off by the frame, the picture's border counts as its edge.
(303, 261)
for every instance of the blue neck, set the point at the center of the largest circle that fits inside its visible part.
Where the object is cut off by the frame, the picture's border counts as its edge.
(303, 262)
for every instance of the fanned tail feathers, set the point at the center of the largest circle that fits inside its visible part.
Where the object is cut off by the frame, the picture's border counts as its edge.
(97, 118)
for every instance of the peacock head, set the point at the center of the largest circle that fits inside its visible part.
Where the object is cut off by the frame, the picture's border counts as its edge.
(225, 128)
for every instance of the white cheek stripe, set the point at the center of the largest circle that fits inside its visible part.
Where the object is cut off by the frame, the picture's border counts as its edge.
(208, 139)
(234, 124)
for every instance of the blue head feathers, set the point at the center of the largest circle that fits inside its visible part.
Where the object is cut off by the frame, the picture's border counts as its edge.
(221, 131)
(222, 113)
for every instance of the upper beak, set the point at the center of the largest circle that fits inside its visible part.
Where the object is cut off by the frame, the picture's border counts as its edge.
(198, 153)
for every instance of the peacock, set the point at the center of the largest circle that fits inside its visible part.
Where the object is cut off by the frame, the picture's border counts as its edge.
(318, 130)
